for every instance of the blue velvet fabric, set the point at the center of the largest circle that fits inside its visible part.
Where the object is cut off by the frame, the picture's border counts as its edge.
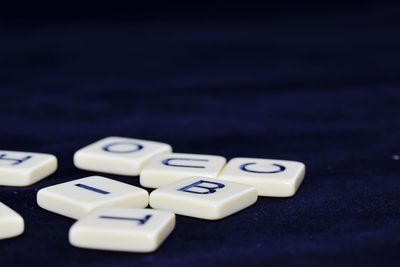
(320, 88)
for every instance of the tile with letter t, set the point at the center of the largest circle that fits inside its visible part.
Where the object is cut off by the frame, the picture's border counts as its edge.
(118, 155)
(11, 223)
(76, 198)
(25, 168)
(203, 197)
(168, 168)
(273, 178)
(122, 229)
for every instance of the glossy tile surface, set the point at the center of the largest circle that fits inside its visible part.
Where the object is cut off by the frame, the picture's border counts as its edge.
(273, 178)
(168, 168)
(203, 197)
(11, 223)
(25, 168)
(122, 229)
(118, 155)
(76, 198)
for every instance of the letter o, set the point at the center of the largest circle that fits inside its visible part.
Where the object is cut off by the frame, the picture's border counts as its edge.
(243, 167)
(135, 147)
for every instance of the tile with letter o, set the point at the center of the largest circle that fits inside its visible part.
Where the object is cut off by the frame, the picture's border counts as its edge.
(273, 178)
(122, 229)
(76, 198)
(25, 168)
(168, 168)
(11, 223)
(203, 197)
(118, 155)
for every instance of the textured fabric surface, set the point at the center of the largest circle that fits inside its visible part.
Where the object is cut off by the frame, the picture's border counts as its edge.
(320, 89)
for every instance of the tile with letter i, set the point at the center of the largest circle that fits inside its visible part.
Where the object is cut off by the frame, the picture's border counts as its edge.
(76, 198)
(122, 229)
(118, 155)
(168, 168)
(25, 168)
(273, 178)
(11, 223)
(203, 197)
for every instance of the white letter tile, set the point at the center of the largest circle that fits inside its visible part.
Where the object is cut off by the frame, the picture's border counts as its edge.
(76, 198)
(273, 178)
(11, 223)
(118, 155)
(203, 197)
(25, 168)
(168, 168)
(122, 229)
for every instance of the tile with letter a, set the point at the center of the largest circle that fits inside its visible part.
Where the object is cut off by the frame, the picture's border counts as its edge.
(203, 197)
(25, 168)
(118, 155)
(11, 223)
(273, 178)
(122, 229)
(76, 198)
(168, 168)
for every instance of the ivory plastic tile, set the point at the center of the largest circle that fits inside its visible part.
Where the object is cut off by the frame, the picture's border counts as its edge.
(273, 178)
(11, 223)
(168, 168)
(203, 197)
(25, 168)
(76, 198)
(122, 229)
(118, 155)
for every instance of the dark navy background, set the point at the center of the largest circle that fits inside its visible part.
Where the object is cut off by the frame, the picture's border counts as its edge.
(314, 83)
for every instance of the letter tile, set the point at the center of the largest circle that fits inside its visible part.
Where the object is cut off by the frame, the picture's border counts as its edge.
(118, 155)
(11, 223)
(25, 168)
(168, 168)
(273, 178)
(76, 198)
(122, 229)
(203, 197)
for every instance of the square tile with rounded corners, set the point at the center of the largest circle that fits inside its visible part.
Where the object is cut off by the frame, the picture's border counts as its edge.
(122, 229)
(168, 168)
(273, 178)
(11, 223)
(25, 168)
(76, 198)
(118, 155)
(203, 197)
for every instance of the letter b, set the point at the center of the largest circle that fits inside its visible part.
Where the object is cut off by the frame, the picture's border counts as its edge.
(202, 187)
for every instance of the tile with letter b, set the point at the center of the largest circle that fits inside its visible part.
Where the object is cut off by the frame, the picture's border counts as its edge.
(118, 155)
(11, 223)
(76, 198)
(203, 197)
(168, 168)
(273, 178)
(25, 168)
(122, 229)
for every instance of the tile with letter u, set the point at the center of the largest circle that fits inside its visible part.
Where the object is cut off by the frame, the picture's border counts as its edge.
(168, 168)
(203, 197)
(76, 198)
(122, 229)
